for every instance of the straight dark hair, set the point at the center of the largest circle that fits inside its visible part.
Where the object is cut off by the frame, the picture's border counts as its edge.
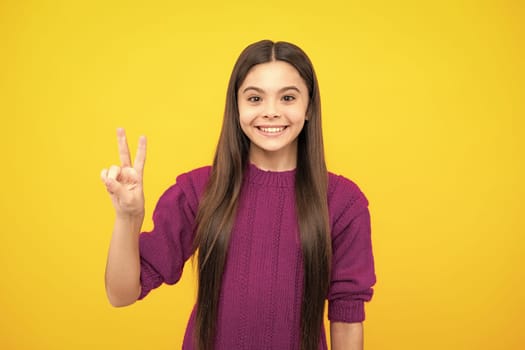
(219, 202)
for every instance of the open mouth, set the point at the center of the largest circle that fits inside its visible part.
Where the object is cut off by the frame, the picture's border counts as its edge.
(271, 130)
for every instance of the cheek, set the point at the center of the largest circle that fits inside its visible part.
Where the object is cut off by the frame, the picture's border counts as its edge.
(298, 114)
(246, 115)
(245, 122)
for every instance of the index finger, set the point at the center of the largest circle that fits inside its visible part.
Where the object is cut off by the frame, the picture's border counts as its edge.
(140, 157)
(123, 150)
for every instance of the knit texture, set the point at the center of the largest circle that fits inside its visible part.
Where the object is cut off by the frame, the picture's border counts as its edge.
(260, 300)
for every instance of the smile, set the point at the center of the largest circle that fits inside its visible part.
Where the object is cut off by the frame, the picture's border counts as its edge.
(271, 130)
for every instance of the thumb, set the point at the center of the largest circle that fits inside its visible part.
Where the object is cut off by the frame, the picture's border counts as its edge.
(112, 186)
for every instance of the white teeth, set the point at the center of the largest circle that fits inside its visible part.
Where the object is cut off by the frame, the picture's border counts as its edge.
(271, 130)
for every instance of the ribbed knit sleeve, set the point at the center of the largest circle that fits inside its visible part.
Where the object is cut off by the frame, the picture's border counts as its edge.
(165, 249)
(353, 273)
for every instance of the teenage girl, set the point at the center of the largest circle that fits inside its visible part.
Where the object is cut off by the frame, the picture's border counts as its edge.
(275, 233)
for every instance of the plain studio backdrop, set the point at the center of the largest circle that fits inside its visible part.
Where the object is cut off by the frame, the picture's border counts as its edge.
(423, 107)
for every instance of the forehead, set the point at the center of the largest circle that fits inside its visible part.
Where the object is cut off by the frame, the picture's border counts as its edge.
(273, 75)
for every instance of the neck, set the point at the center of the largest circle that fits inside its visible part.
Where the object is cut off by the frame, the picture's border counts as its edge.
(273, 161)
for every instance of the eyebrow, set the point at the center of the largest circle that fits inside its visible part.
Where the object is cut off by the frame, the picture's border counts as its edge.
(259, 90)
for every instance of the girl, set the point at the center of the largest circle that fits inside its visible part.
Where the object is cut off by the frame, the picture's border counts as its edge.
(275, 233)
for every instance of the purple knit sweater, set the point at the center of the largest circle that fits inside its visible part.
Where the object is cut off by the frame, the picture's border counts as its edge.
(262, 285)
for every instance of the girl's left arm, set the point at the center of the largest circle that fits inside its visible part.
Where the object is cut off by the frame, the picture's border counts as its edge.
(346, 336)
(353, 272)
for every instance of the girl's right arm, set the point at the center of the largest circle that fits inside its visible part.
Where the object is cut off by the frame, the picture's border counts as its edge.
(125, 186)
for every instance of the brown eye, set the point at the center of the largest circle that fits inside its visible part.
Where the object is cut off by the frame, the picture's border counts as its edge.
(288, 98)
(254, 98)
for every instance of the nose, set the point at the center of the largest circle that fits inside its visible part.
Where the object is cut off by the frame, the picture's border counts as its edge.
(271, 111)
(272, 115)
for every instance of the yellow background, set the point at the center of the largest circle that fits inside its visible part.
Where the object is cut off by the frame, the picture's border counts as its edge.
(423, 107)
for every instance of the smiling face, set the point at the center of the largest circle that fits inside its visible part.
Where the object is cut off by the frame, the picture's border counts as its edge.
(272, 101)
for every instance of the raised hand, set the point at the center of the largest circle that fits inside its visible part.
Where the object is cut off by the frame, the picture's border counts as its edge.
(124, 183)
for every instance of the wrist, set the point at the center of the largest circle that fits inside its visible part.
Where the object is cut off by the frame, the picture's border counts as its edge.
(132, 220)
(130, 216)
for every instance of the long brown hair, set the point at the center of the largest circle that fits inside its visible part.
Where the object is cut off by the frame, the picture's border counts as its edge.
(219, 202)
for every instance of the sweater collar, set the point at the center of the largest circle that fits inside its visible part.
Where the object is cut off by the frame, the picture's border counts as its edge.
(258, 176)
